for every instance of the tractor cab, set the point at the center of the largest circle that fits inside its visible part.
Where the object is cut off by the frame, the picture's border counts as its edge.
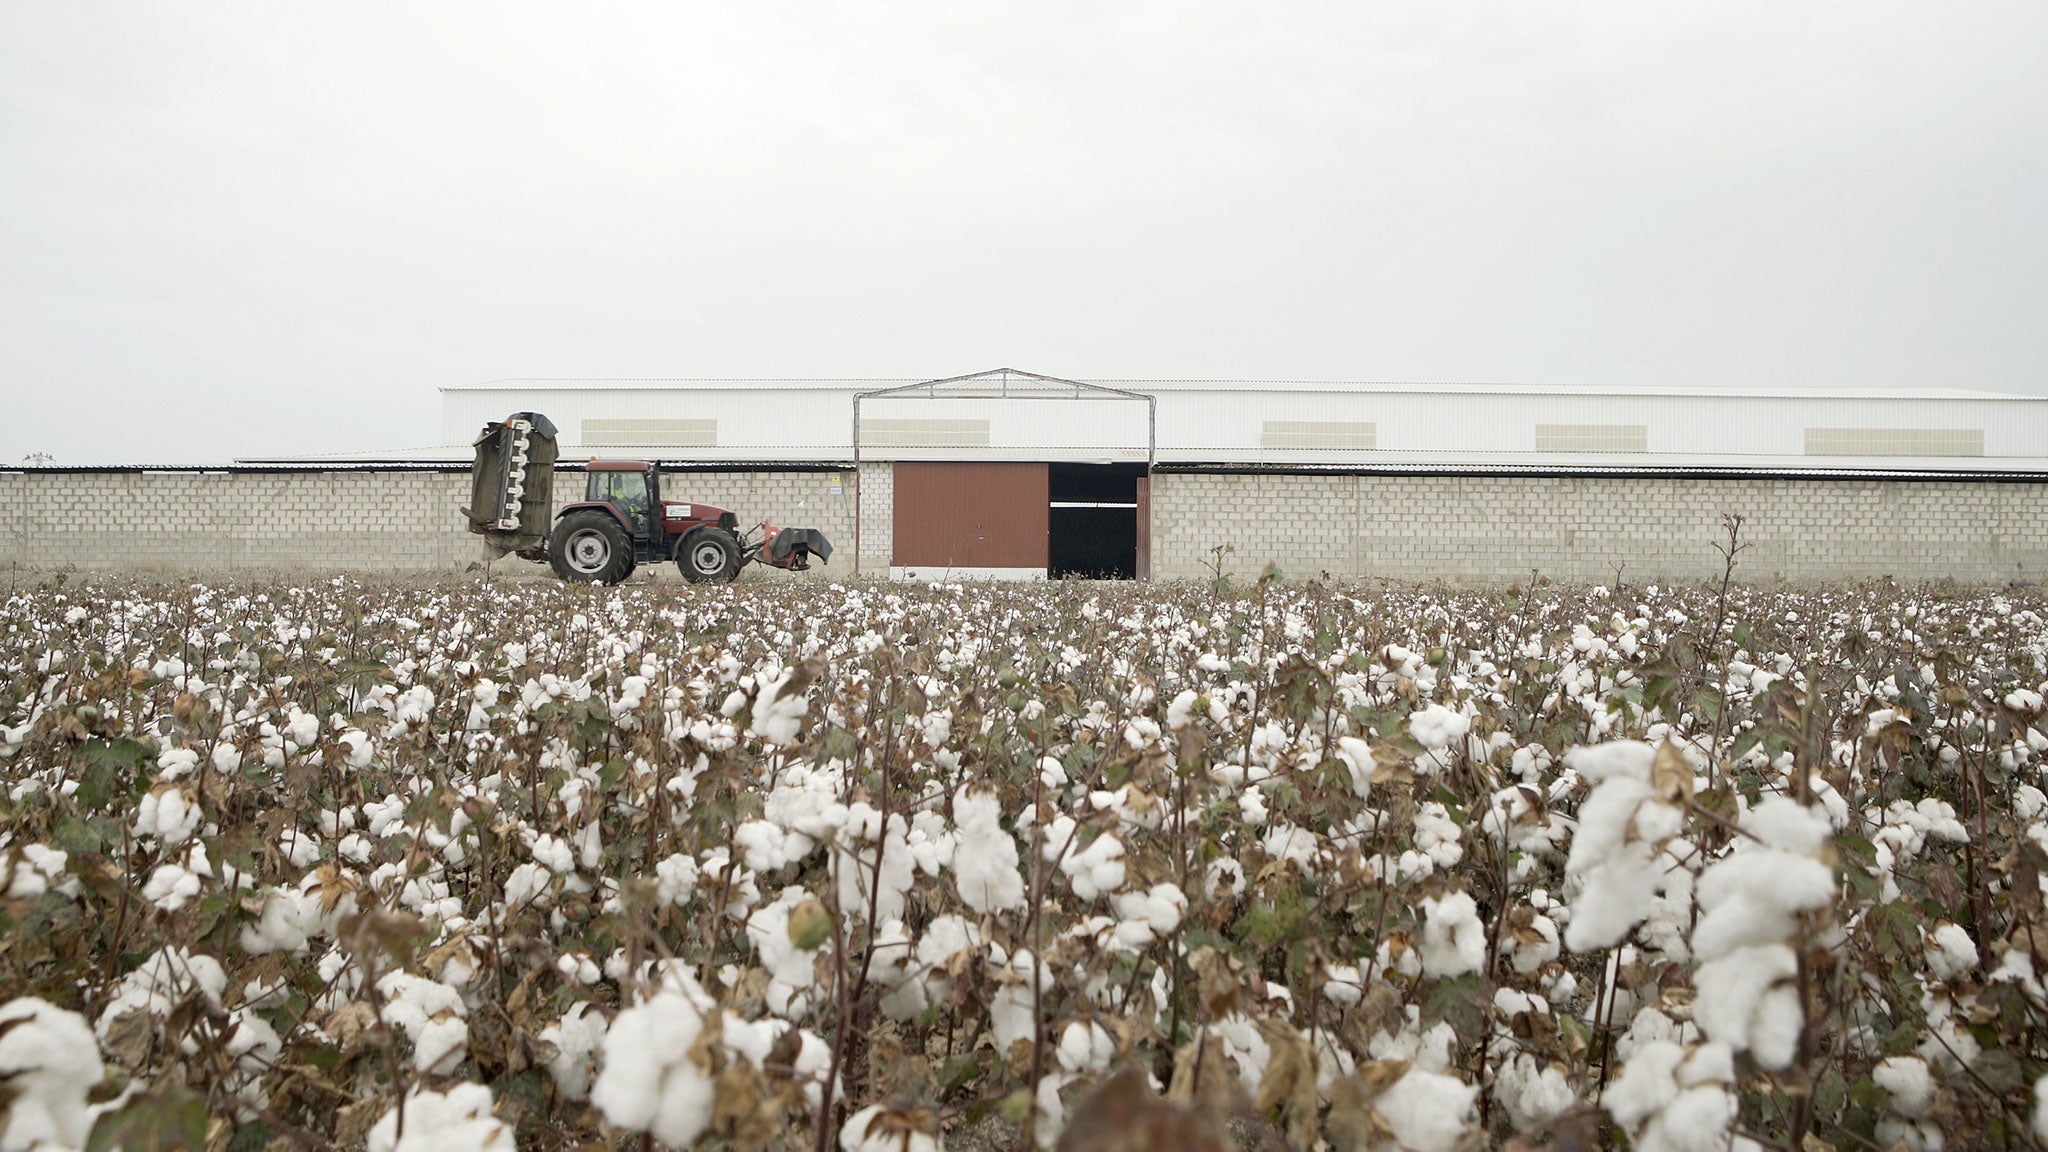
(633, 487)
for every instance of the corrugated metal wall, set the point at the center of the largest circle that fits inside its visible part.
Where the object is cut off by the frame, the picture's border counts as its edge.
(1293, 424)
(981, 515)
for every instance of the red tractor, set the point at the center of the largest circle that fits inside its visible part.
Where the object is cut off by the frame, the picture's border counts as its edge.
(622, 520)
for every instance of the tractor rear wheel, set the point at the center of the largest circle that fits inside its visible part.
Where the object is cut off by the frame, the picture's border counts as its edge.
(709, 556)
(590, 547)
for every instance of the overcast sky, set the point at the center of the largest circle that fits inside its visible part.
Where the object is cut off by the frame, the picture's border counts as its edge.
(264, 228)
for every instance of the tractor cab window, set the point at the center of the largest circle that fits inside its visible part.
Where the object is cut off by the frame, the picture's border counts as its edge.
(628, 490)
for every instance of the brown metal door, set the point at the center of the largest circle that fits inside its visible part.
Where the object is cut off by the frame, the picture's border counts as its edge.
(970, 515)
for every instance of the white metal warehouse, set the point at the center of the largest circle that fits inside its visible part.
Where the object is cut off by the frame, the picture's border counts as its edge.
(1012, 474)
(1009, 415)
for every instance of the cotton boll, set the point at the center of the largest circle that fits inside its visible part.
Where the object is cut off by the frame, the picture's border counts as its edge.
(1619, 759)
(33, 869)
(1651, 1026)
(1438, 836)
(778, 714)
(167, 813)
(676, 879)
(252, 1048)
(1907, 1083)
(1746, 1000)
(1085, 1047)
(1345, 985)
(880, 1128)
(1950, 952)
(786, 936)
(1225, 878)
(1532, 1092)
(985, 859)
(1251, 806)
(862, 884)
(1620, 823)
(650, 1082)
(1532, 942)
(48, 1058)
(1453, 939)
(176, 763)
(1146, 916)
(767, 847)
(576, 1039)
(1426, 1111)
(530, 884)
(1096, 870)
(1696, 1120)
(301, 848)
(1675, 1100)
(554, 854)
(1010, 1016)
(432, 1016)
(458, 1119)
(1616, 894)
(168, 978)
(1437, 727)
(1356, 755)
(1788, 826)
(1646, 1085)
(288, 919)
(577, 968)
(1754, 896)
(171, 887)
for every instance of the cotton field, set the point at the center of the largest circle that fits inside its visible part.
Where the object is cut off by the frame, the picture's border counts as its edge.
(881, 868)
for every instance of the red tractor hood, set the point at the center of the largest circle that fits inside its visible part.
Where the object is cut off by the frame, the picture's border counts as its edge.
(685, 512)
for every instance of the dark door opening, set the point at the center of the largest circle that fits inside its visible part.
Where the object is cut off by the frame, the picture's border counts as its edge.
(1093, 521)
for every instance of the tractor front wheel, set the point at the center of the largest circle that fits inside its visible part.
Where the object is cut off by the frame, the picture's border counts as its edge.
(709, 556)
(590, 548)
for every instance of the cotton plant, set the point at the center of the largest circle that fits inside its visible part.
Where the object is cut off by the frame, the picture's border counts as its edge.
(571, 803)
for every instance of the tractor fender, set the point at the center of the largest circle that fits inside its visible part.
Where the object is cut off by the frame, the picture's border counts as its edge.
(609, 507)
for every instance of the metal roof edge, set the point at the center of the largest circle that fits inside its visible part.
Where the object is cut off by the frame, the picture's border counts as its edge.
(1590, 471)
(853, 384)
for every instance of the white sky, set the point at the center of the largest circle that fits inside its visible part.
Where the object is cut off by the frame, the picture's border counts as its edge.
(264, 228)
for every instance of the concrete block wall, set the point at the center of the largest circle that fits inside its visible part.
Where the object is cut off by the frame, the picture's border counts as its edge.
(339, 521)
(212, 521)
(878, 519)
(1499, 528)
(1467, 528)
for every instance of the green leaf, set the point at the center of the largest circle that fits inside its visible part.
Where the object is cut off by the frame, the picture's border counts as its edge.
(957, 1072)
(114, 770)
(1867, 1095)
(1831, 1092)
(153, 1122)
(2000, 1070)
